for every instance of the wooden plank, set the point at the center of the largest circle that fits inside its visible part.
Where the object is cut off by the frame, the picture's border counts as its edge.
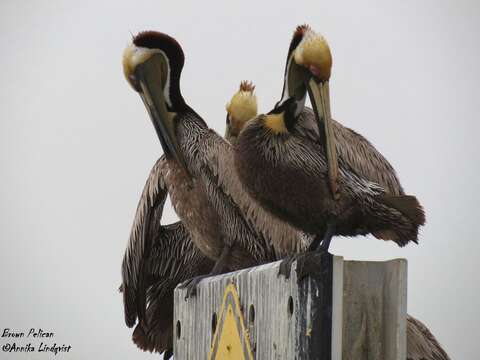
(315, 319)
(375, 310)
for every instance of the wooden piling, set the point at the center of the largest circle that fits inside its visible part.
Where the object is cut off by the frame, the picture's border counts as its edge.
(352, 310)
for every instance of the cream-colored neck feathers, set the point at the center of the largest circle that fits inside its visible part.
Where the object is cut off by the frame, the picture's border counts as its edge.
(314, 53)
(242, 107)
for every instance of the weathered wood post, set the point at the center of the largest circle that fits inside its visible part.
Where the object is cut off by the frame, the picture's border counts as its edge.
(355, 310)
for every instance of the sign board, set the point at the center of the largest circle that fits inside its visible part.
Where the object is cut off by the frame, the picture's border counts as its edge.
(231, 340)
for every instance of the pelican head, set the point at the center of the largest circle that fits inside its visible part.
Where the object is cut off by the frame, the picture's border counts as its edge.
(308, 69)
(313, 54)
(241, 108)
(152, 65)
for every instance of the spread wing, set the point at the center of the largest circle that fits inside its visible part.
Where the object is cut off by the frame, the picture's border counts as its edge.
(282, 237)
(145, 225)
(421, 344)
(156, 260)
(173, 259)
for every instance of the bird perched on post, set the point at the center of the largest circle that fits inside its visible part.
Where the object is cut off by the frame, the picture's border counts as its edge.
(159, 257)
(421, 343)
(207, 195)
(151, 275)
(288, 162)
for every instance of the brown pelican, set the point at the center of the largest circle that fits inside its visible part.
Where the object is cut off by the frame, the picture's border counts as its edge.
(421, 344)
(159, 257)
(206, 193)
(289, 163)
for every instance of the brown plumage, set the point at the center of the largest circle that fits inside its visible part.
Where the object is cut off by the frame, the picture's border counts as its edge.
(205, 193)
(159, 257)
(156, 260)
(283, 160)
(173, 258)
(287, 174)
(421, 344)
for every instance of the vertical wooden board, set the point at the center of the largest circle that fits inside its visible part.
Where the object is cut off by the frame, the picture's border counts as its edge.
(337, 308)
(374, 310)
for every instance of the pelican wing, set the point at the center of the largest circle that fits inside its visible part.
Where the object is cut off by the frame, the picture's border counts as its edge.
(145, 225)
(282, 237)
(356, 151)
(173, 259)
(156, 260)
(421, 344)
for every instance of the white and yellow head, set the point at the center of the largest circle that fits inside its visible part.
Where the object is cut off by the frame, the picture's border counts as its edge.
(241, 108)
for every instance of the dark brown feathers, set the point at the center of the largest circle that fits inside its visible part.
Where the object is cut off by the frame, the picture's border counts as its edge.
(408, 205)
(246, 85)
(161, 41)
(157, 259)
(301, 29)
(297, 37)
(421, 344)
(176, 59)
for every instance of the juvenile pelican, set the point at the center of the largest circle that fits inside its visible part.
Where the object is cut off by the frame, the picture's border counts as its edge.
(292, 168)
(208, 197)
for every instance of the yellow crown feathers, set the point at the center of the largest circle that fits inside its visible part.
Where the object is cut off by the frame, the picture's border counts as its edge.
(243, 105)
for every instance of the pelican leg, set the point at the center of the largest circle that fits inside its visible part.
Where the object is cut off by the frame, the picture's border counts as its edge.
(218, 268)
(327, 237)
(315, 243)
(310, 263)
(286, 265)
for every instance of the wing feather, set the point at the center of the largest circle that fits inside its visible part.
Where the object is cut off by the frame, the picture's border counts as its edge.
(421, 344)
(146, 222)
(285, 239)
(356, 151)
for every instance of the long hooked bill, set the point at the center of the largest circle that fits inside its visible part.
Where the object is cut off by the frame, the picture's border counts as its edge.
(319, 94)
(151, 80)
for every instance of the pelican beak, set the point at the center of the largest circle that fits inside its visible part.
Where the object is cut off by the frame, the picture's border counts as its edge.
(319, 94)
(150, 77)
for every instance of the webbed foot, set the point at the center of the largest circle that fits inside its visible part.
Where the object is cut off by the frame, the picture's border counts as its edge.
(312, 263)
(191, 285)
(285, 268)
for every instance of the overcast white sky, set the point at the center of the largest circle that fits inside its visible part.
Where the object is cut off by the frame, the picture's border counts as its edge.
(76, 143)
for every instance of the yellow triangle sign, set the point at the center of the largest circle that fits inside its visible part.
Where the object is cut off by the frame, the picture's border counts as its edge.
(231, 340)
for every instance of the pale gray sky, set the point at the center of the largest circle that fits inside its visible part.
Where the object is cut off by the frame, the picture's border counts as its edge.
(76, 143)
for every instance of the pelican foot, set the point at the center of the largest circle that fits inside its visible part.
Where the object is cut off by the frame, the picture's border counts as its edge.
(285, 268)
(191, 285)
(312, 264)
